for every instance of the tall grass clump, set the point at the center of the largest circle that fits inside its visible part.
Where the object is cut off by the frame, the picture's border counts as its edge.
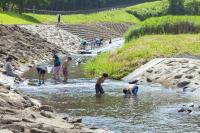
(165, 25)
(137, 52)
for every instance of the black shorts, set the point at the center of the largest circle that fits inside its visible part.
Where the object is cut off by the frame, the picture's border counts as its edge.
(41, 71)
(99, 89)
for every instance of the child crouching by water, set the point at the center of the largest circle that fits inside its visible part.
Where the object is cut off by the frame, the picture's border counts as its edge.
(65, 68)
(132, 89)
(98, 86)
(9, 69)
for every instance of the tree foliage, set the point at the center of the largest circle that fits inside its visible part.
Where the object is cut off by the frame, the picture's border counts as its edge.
(19, 5)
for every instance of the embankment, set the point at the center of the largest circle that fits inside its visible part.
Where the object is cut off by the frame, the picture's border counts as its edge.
(178, 73)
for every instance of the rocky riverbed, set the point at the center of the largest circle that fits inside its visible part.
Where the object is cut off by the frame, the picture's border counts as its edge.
(55, 35)
(23, 46)
(182, 74)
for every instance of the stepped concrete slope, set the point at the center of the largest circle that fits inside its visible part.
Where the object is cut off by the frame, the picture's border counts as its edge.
(89, 32)
(55, 35)
(180, 73)
(23, 46)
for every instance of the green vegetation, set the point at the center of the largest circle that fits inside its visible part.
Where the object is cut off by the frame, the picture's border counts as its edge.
(137, 52)
(13, 18)
(165, 7)
(19, 5)
(165, 24)
(115, 16)
(149, 9)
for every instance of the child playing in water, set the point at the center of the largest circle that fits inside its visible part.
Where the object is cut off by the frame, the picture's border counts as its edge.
(65, 68)
(132, 88)
(9, 69)
(98, 87)
(56, 67)
(41, 69)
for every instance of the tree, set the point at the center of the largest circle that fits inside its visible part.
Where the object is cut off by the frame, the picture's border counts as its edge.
(176, 7)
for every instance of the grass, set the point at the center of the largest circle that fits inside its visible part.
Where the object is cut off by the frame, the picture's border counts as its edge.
(137, 52)
(165, 25)
(149, 9)
(114, 16)
(13, 18)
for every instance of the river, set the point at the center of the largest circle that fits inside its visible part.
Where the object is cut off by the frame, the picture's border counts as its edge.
(153, 110)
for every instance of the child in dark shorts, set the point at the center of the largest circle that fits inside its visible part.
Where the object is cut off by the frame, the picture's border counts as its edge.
(41, 69)
(98, 86)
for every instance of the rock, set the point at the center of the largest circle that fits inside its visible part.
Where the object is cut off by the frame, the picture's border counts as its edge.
(178, 76)
(27, 120)
(75, 120)
(149, 80)
(17, 91)
(182, 84)
(46, 108)
(46, 114)
(189, 77)
(65, 118)
(5, 131)
(9, 121)
(15, 127)
(93, 128)
(58, 130)
(36, 130)
(33, 116)
(149, 71)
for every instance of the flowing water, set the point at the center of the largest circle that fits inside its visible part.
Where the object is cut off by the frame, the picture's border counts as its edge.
(153, 110)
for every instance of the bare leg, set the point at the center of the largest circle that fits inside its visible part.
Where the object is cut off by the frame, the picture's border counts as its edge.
(42, 78)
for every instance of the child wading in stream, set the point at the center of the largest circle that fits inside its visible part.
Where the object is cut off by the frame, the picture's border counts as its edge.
(56, 67)
(65, 68)
(132, 89)
(98, 86)
(41, 69)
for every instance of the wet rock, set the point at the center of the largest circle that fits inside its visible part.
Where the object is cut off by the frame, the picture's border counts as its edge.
(178, 76)
(149, 80)
(46, 114)
(182, 84)
(75, 120)
(36, 130)
(93, 128)
(65, 118)
(17, 91)
(15, 127)
(46, 108)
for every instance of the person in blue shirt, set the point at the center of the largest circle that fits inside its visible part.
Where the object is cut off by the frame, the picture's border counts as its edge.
(132, 89)
(57, 66)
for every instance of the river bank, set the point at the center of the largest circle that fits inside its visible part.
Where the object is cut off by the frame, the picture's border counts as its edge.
(182, 74)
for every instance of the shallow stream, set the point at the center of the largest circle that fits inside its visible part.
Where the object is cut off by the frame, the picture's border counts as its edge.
(153, 110)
